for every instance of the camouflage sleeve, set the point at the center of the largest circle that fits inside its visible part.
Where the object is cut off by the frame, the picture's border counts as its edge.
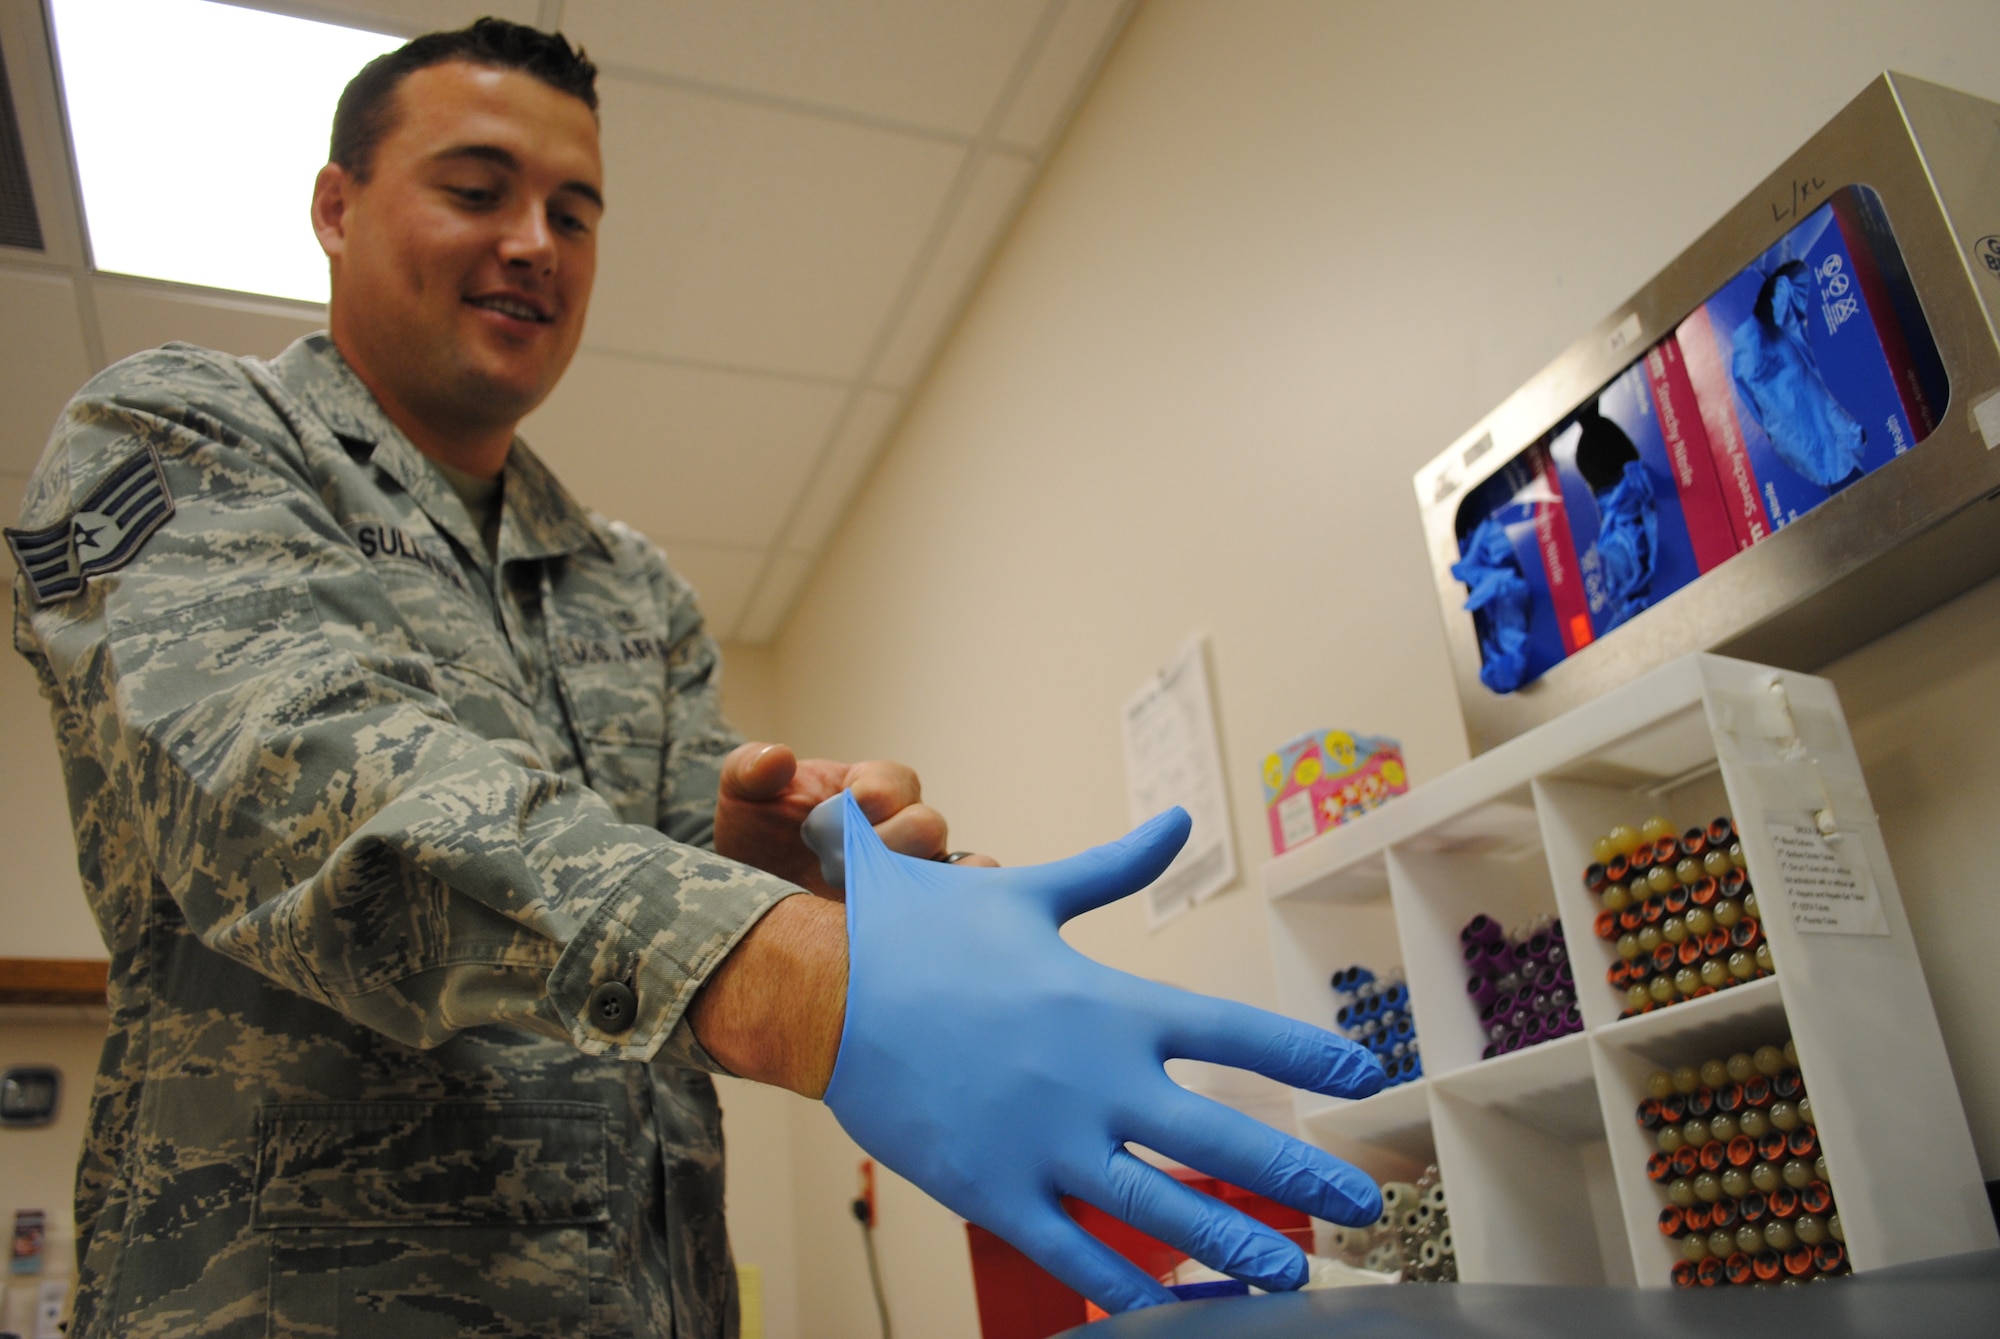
(284, 765)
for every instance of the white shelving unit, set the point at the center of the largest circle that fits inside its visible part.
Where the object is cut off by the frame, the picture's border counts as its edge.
(1539, 1150)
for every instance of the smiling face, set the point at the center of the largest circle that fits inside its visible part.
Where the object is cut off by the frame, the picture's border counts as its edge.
(462, 264)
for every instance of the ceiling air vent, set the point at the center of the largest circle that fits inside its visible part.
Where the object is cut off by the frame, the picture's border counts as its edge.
(19, 224)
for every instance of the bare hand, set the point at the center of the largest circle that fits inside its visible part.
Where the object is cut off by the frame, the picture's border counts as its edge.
(767, 791)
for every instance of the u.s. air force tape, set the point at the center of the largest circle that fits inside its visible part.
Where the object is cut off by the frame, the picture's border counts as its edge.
(101, 535)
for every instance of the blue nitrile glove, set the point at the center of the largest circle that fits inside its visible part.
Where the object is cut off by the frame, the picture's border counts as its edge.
(997, 1068)
(821, 832)
(1497, 592)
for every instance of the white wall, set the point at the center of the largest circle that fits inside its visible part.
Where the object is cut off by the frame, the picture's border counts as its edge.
(1920, 702)
(1288, 253)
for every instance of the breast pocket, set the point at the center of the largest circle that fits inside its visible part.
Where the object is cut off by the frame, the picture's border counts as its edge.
(455, 629)
(420, 1219)
(439, 605)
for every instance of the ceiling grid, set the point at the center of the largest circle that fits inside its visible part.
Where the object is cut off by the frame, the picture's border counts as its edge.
(762, 615)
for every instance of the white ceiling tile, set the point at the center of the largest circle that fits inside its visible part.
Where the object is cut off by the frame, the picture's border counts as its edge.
(774, 598)
(723, 577)
(989, 202)
(684, 453)
(132, 316)
(399, 16)
(833, 486)
(748, 237)
(941, 66)
(42, 362)
(1066, 61)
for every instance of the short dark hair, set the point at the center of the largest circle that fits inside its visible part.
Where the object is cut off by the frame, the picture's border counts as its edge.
(366, 110)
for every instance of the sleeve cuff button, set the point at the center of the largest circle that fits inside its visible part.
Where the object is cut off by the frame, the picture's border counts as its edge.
(613, 1007)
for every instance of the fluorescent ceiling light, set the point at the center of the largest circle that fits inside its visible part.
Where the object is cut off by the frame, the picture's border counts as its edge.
(198, 130)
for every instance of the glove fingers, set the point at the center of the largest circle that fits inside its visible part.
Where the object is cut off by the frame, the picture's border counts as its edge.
(1066, 887)
(824, 833)
(862, 848)
(1117, 869)
(1223, 1142)
(1223, 1032)
(1203, 1226)
(1052, 1240)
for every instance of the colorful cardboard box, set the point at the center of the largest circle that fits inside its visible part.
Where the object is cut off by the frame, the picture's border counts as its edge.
(1523, 580)
(1797, 386)
(1710, 534)
(1622, 499)
(1326, 778)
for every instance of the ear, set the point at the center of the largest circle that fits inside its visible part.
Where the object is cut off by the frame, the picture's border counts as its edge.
(333, 192)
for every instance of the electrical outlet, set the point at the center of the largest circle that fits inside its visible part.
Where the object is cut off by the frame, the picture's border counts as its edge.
(28, 1095)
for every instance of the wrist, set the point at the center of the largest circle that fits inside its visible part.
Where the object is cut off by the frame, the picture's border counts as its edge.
(773, 1010)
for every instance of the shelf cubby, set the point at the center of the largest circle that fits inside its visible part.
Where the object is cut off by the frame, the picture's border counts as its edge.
(1533, 1198)
(1387, 1135)
(1540, 1154)
(1716, 1025)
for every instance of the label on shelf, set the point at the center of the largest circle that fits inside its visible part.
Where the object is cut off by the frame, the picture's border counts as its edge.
(1829, 888)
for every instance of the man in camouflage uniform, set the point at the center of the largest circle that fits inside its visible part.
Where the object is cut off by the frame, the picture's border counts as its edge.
(395, 788)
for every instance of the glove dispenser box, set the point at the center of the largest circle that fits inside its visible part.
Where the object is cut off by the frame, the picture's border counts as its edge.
(1779, 449)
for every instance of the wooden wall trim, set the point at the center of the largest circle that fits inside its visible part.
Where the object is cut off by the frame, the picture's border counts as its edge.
(53, 980)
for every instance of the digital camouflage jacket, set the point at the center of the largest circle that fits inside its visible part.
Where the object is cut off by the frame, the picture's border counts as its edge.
(402, 860)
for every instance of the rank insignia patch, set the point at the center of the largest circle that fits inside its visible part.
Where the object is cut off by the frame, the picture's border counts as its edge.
(118, 516)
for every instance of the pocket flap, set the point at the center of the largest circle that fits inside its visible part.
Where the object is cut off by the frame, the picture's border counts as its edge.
(363, 1164)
